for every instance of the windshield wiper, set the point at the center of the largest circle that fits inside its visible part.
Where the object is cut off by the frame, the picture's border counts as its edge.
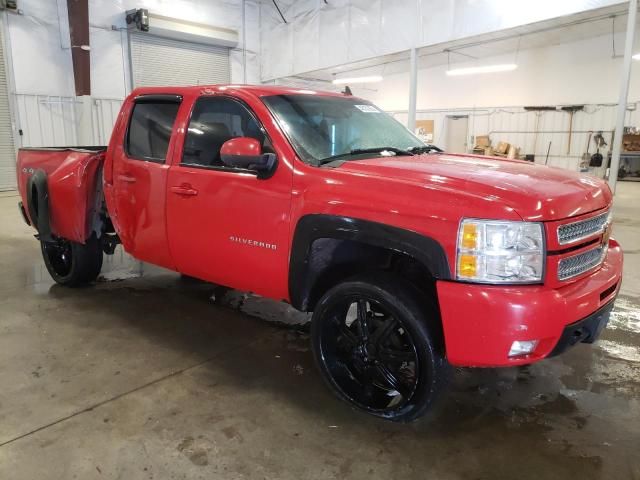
(360, 151)
(425, 149)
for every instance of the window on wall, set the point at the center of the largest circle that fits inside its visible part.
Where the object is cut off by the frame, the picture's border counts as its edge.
(214, 121)
(150, 129)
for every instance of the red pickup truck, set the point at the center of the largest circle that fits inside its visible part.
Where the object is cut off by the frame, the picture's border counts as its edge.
(411, 259)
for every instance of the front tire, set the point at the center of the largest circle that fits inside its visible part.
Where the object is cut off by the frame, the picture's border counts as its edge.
(72, 264)
(374, 345)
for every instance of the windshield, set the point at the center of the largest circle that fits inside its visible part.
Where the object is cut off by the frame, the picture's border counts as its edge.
(323, 127)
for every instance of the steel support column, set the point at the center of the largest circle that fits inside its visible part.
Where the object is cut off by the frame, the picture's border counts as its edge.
(413, 90)
(624, 91)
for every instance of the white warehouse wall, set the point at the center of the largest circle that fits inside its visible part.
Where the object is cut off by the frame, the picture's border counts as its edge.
(42, 72)
(576, 73)
(319, 35)
(40, 45)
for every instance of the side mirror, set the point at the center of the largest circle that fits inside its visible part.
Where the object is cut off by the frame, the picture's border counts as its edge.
(246, 153)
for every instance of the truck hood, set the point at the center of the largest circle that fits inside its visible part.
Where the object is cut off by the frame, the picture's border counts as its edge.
(535, 192)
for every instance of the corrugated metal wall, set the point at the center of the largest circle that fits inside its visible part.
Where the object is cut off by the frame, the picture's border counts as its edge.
(46, 121)
(519, 127)
(105, 112)
(50, 121)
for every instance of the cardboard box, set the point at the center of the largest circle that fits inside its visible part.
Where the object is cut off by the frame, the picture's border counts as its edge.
(503, 148)
(483, 141)
(631, 142)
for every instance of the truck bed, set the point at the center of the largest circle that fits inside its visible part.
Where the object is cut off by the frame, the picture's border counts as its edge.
(71, 186)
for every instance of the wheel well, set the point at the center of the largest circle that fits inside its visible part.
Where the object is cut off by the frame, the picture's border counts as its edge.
(332, 261)
(33, 200)
(37, 204)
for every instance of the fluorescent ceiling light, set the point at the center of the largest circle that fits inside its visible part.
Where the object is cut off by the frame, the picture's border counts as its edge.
(636, 56)
(370, 79)
(486, 69)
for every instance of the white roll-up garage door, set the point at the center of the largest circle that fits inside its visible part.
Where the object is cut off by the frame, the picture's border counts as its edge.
(7, 150)
(158, 61)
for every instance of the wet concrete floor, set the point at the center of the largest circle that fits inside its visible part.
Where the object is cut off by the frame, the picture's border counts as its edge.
(149, 376)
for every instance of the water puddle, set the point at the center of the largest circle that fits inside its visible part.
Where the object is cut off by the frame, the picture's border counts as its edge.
(121, 267)
(259, 307)
(625, 316)
(629, 353)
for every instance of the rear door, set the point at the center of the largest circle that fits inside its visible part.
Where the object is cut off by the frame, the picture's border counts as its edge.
(140, 171)
(225, 224)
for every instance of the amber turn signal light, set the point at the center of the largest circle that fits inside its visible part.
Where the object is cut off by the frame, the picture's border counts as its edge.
(467, 266)
(469, 236)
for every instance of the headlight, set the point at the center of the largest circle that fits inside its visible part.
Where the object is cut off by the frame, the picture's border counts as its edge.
(493, 251)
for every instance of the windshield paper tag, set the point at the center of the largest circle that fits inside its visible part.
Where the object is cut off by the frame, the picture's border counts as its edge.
(367, 108)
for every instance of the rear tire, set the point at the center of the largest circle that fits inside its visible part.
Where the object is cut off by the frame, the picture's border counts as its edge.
(392, 367)
(72, 264)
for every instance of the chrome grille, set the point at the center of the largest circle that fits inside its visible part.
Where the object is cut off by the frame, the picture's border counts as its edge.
(573, 232)
(572, 266)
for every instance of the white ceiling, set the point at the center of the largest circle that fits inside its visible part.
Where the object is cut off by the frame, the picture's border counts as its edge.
(566, 29)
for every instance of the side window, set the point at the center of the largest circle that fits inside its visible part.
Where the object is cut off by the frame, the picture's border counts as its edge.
(150, 129)
(214, 121)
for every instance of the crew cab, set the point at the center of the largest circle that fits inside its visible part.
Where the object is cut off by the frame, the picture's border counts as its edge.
(411, 259)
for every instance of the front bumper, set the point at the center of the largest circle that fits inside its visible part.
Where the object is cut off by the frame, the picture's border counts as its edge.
(481, 322)
(586, 330)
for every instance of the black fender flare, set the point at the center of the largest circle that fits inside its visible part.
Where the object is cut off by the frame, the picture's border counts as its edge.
(312, 227)
(37, 196)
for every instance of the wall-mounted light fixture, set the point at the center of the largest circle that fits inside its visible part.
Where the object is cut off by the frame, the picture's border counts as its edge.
(8, 5)
(138, 17)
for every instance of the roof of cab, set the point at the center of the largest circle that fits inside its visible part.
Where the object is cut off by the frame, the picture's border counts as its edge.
(257, 90)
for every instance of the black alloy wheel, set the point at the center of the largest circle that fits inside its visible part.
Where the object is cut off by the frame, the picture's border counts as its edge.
(372, 345)
(72, 264)
(59, 255)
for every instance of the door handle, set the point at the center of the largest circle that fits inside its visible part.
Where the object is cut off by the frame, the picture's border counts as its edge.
(127, 178)
(185, 190)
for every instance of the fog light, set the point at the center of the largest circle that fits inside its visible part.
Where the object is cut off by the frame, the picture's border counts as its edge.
(522, 347)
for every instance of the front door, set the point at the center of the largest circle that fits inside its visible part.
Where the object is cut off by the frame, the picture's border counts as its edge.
(140, 172)
(457, 129)
(226, 225)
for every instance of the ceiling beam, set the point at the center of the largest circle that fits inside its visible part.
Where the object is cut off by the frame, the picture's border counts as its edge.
(78, 11)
